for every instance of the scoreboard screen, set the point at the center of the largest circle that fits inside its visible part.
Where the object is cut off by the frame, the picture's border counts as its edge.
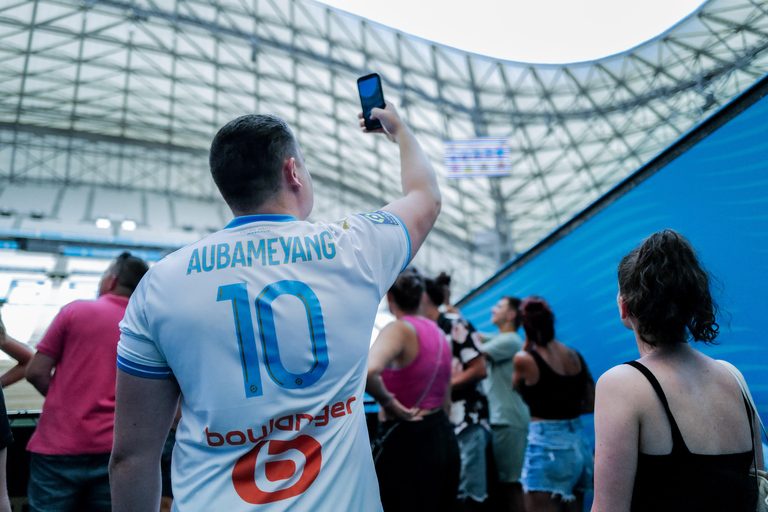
(484, 156)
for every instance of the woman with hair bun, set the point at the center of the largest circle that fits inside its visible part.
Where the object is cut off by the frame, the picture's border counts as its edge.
(673, 432)
(409, 371)
(555, 382)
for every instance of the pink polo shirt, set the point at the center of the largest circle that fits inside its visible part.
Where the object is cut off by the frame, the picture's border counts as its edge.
(79, 411)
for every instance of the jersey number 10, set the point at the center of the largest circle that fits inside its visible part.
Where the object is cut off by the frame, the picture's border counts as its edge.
(249, 357)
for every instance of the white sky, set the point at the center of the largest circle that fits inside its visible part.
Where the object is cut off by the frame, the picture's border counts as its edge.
(535, 31)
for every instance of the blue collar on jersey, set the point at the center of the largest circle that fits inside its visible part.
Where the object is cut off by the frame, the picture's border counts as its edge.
(247, 219)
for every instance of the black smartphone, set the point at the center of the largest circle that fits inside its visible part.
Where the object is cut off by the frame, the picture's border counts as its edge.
(371, 96)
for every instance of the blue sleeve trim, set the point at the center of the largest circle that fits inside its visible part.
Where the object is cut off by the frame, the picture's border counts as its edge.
(141, 370)
(407, 238)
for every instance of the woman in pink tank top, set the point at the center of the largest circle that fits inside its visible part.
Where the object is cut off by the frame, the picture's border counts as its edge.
(409, 370)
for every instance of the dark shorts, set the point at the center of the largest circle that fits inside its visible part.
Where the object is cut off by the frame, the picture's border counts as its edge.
(64, 483)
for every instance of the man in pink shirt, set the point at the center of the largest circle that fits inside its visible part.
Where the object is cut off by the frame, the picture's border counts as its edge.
(70, 449)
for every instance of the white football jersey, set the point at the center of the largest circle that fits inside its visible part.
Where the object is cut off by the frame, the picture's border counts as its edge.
(266, 326)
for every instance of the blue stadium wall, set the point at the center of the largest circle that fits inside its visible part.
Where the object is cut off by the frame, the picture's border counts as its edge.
(711, 186)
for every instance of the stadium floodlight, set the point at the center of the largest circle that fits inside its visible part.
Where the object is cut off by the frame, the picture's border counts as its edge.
(103, 223)
(128, 225)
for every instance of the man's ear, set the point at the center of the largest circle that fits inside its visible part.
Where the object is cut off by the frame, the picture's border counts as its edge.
(291, 173)
(111, 282)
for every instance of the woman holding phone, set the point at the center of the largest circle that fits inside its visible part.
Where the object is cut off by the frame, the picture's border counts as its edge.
(673, 432)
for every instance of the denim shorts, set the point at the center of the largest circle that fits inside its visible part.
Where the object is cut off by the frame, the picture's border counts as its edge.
(558, 459)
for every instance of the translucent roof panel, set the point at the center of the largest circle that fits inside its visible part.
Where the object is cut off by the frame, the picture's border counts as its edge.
(127, 95)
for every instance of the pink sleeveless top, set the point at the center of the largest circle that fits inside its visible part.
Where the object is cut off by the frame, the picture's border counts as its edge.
(408, 384)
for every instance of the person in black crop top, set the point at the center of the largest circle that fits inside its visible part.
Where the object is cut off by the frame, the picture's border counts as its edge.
(555, 382)
(673, 432)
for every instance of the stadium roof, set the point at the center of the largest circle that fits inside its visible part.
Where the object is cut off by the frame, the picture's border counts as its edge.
(125, 95)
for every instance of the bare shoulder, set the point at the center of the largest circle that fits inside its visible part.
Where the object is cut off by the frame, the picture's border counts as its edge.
(621, 380)
(523, 363)
(398, 328)
(394, 335)
(405, 333)
(620, 399)
(405, 329)
(523, 358)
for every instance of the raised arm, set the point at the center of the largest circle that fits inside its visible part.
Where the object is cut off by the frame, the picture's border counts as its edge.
(144, 412)
(420, 204)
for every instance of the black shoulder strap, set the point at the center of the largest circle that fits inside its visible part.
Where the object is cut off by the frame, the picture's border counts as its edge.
(541, 364)
(584, 368)
(751, 426)
(677, 438)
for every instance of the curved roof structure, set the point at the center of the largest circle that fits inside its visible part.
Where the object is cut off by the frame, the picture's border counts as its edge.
(111, 104)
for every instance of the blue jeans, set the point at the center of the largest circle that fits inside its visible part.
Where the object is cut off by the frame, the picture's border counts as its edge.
(558, 459)
(473, 442)
(64, 483)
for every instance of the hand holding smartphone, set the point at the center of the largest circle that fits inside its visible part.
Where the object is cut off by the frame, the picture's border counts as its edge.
(371, 96)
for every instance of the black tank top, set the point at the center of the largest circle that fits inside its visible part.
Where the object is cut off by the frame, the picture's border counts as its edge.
(555, 396)
(682, 481)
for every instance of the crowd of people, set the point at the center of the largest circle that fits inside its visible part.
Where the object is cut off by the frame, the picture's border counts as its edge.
(503, 431)
(530, 452)
(257, 338)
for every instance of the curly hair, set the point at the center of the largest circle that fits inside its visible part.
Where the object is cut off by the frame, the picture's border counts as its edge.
(408, 289)
(667, 290)
(538, 320)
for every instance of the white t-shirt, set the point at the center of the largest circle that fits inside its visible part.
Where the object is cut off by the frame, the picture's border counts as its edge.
(266, 326)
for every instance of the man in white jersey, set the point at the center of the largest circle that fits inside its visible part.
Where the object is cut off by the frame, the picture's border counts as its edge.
(263, 330)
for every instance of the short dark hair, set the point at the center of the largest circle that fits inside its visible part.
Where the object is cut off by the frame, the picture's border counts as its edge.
(514, 303)
(435, 288)
(667, 290)
(246, 157)
(408, 289)
(538, 320)
(129, 270)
